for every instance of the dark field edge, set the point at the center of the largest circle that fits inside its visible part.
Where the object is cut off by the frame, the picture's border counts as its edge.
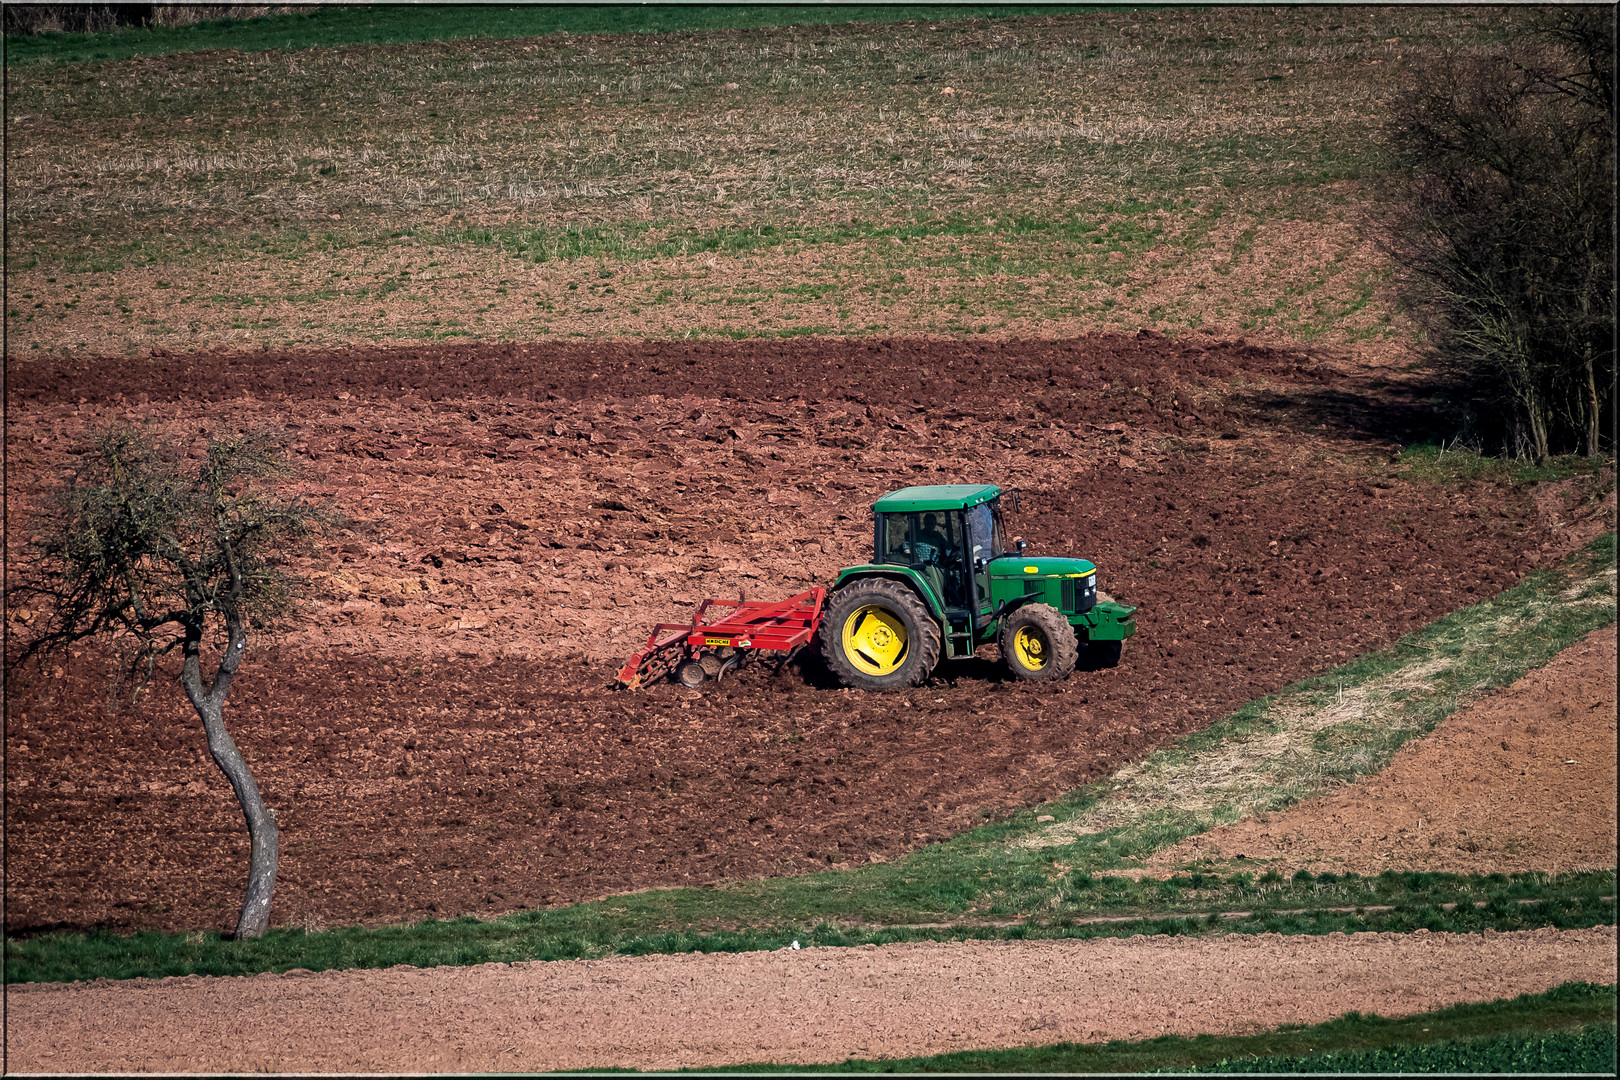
(404, 25)
(1570, 1028)
(974, 886)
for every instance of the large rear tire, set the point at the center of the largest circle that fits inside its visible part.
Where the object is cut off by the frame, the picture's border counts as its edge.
(1038, 644)
(876, 635)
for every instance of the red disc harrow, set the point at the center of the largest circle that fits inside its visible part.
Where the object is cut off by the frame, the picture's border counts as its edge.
(698, 650)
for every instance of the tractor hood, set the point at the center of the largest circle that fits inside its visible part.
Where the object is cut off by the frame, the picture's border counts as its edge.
(1027, 566)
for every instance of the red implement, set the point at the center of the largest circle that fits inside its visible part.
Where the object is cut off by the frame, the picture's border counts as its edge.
(782, 625)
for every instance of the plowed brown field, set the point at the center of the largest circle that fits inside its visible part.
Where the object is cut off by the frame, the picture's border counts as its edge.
(436, 729)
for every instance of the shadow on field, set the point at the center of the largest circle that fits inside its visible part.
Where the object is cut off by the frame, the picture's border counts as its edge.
(813, 670)
(1379, 411)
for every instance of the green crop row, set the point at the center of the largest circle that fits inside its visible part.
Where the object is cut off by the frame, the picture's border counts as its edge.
(1570, 1028)
(1583, 1050)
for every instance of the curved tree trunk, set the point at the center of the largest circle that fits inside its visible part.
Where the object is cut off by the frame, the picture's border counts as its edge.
(1594, 410)
(264, 838)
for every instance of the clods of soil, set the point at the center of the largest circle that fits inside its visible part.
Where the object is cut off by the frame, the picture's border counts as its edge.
(436, 728)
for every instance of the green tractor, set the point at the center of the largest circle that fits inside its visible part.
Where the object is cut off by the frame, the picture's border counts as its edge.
(943, 581)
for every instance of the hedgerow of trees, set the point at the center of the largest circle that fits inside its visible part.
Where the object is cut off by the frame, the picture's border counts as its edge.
(25, 19)
(1503, 231)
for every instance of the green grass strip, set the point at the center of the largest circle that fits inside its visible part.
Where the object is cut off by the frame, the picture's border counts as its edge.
(1569, 1028)
(1589, 1049)
(639, 240)
(1019, 877)
(331, 27)
(630, 927)
(1088, 241)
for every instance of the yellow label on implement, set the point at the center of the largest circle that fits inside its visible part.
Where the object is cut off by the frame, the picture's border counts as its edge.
(717, 641)
(1032, 569)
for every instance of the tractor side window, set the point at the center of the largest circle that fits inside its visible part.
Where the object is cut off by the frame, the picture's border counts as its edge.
(938, 539)
(953, 538)
(896, 535)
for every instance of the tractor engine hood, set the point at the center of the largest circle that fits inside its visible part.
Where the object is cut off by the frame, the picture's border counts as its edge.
(1027, 566)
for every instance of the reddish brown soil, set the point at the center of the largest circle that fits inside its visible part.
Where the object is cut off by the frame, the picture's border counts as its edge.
(436, 729)
(1522, 780)
(805, 1006)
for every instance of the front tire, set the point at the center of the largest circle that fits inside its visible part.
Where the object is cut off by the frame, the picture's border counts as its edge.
(876, 635)
(1038, 644)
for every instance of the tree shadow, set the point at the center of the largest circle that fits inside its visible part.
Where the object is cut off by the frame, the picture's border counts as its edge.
(1378, 411)
(98, 928)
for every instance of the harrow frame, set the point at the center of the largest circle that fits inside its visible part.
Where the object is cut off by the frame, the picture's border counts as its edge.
(783, 626)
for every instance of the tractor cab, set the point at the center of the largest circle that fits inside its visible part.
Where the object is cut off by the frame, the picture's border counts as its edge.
(948, 534)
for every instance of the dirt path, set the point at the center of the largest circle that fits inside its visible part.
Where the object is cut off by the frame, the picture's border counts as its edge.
(1521, 780)
(811, 1005)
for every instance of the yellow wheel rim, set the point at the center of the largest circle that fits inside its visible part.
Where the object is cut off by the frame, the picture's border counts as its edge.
(875, 640)
(1032, 648)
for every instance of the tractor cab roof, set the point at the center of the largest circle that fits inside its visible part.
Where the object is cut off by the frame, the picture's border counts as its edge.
(935, 497)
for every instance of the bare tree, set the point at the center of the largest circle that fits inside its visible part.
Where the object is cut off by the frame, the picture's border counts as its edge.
(1503, 229)
(136, 547)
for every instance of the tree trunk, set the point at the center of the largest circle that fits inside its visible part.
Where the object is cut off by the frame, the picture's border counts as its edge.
(1533, 442)
(1594, 429)
(264, 838)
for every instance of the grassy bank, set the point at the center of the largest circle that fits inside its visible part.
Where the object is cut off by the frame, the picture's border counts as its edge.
(1024, 877)
(695, 921)
(1567, 1029)
(1333, 727)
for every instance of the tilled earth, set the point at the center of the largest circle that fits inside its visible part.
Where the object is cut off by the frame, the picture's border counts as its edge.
(435, 727)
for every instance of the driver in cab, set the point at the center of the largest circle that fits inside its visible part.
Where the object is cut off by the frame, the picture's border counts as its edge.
(933, 547)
